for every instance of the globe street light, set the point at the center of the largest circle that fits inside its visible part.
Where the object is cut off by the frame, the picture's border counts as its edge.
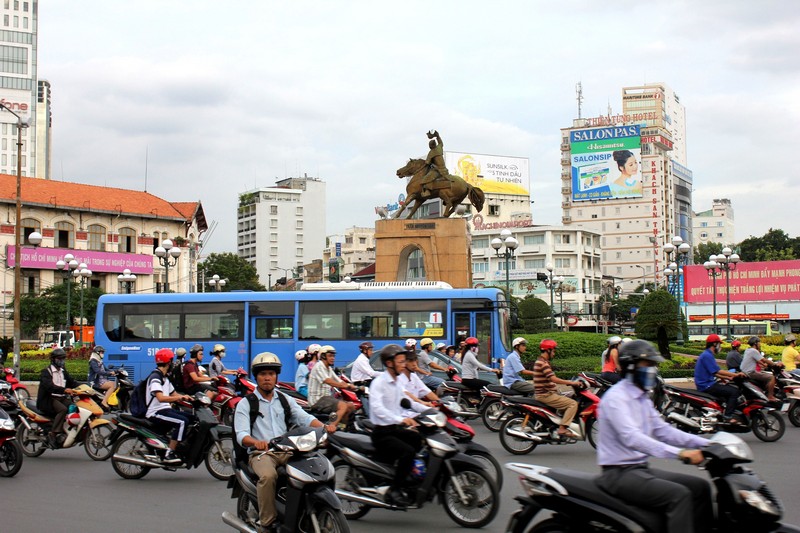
(165, 252)
(549, 268)
(216, 282)
(711, 266)
(677, 253)
(510, 245)
(558, 281)
(67, 265)
(128, 279)
(725, 262)
(81, 275)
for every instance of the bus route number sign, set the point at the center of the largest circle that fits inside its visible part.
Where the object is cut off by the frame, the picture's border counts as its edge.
(436, 318)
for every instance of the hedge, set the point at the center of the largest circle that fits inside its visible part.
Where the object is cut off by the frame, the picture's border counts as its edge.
(31, 368)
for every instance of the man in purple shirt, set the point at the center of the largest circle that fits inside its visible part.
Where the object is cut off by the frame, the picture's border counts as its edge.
(631, 431)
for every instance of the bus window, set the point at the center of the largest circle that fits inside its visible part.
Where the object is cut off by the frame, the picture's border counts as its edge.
(274, 328)
(212, 326)
(152, 326)
(421, 318)
(322, 320)
(370, 319)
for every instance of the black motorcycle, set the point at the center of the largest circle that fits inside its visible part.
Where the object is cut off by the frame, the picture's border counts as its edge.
(305, 500)
(140, 447)
(11, 455)
(464, 487)
(576, 503)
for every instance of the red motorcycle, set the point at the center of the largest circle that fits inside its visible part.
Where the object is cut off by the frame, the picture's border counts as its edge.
(223, 404)
(18, 388)
(530, 422)
(10, 450)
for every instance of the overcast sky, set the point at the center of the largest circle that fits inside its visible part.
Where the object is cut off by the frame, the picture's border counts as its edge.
(225, 100)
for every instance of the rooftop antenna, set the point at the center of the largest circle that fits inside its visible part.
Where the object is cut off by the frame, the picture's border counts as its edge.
(610, 112)
(579, 97)
(146, 154)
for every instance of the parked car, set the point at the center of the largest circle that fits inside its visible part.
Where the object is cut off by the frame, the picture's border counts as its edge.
(438, 358)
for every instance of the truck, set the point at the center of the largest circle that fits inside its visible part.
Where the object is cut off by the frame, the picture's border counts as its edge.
(60, 339)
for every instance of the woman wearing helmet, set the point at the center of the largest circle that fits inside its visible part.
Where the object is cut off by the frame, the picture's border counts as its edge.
(160, 395)
(544, 383)
(55, 384)
(734, 358)
(470, 366)
(98, 375)
(610, 371)
(215, 367)
(362, 372)
(301, 374)
(313, 355)
(633, 431)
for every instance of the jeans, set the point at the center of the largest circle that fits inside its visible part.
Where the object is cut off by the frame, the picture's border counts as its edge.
(729, 395)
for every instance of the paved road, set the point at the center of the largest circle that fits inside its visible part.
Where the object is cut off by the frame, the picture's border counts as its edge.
(83, 490)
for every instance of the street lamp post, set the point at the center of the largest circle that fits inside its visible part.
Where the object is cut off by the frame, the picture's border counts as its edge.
(549, 268)
(17, 238)
(128, 279)
(727, 261)
(677, 253)
(712, 267)
(67, 265)
(509, 244)
(81, 275)
(165, 252)
(559, 283)
(216, 282)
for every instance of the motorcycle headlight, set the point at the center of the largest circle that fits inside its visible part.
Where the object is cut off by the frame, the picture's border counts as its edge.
(759, 501)
(306, 442)
(439, 419)
(7, 424)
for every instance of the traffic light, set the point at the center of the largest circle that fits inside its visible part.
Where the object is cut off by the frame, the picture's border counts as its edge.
(334, 274)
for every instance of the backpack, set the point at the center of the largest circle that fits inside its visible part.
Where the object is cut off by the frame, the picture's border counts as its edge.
(240, 452)
(176, 377)
(138, 403)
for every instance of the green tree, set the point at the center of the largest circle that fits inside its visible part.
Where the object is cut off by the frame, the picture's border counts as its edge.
(238, 273)
(774, 245)
(704, 250)
(657, 319)
(49, 308)
(534, 314)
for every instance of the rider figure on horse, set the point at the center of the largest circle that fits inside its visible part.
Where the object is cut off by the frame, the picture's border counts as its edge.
(435, 161)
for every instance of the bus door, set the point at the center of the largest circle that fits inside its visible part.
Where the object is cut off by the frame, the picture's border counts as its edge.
(274, 334)
(476, 324)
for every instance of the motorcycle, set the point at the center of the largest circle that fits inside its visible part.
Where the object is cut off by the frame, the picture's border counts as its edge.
(578, 504)
(139, 446)
(465, 489)
(223, 404)
(83, 425)
(19, 388)
(699, 412)
(11, 455)
(304, 497)
(119, 399)
(491, 408)
(530, 422)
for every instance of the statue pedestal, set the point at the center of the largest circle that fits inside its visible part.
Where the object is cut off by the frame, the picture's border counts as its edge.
(443, 242)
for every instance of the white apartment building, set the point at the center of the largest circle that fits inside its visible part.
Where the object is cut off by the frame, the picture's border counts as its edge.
(281, 228)
(635, 222)
(44, 129)
(355, 250)
(715, 224)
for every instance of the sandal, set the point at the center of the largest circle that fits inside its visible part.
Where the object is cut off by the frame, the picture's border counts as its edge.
(567, 434)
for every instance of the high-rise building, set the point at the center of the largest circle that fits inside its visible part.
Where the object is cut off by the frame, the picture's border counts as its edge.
(355, 249)
(281, 228)
(715, 224)
(626, 176)
(44, 126)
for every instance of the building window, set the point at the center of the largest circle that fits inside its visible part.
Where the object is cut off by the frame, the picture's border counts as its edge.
(719, 224)
(619, 255)
(494, 210)
(273, 210)
(562, 238)
(298, 211)
(533, 239)
(616, 210)
(64, 235)
(97, 237)
(480, 267)
(482, 242)
(273, 250)
(273, 265)
(28, 226)
(501, 264)
(704, 224)
(703, 234)
(30, 282)
(273, 237)
(299, 252)
(719, 234)
(362, 240)
(563, 262)
(298, 224)
(273, 223)
(416, 266)
(127, 240)
(299, 238)
(534, 263)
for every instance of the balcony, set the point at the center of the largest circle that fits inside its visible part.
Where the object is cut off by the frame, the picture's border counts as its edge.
(566, 205)
(564, 248)
(566, 190)
(566, 219)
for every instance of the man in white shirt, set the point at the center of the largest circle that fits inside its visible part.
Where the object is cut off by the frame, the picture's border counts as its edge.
(363, 372)
(414, 388)
(392, 437)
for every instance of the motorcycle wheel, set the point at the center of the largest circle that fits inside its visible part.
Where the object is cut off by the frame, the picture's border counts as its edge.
(130, 445)
(591, 432)
(246, 509)
(767, 426)
(31, 446)
(219, 464)
(493, 415)
(97, 443)
(551, 525)
(10, 458)
(330, 520)
(22, 395)
(348, 478)
(227, 416)
(794, 414)
(513, 444)
(483, 500)
(490, 465)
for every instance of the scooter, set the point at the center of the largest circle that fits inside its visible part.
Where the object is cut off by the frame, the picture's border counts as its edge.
(223, 404)
(11, 455)
(577, 504)
(462, 484)
(491, 408)
(140, 447)
(19, 388)
(304, 498)
(119, 399)
(530, 422)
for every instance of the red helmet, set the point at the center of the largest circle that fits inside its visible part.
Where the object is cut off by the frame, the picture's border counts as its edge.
(736, 343)
(548, 344)
(472, 341)
(711, 339)
(364, 346)
(163, 356)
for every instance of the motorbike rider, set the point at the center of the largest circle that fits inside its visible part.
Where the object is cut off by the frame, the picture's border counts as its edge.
(301, 374)
(545, 381)
(734, 358)
(215, 367)
(98, 375)
(470, 366)
(631, 430)
(424, 362)
(790, 356)
(393, 438)
(363, 372)
(192, 376)
(706, 370)
(752, 358)
(610, 368)
(160, 394)
(513, 369)
(271, 423)
(55, 384)
(320, 382)
(313, 355)
(413, 385)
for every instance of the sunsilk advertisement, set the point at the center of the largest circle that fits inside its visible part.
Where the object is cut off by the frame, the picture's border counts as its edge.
(606, 163)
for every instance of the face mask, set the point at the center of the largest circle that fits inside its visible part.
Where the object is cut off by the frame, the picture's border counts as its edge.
(59, 363)
(100, 355)
(644, 377)
(474, 350)
(221, 354)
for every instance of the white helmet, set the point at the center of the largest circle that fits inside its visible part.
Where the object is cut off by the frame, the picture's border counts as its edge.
(314, 349)
(411, 343)
(518, 341)
(614, 340)
(441, 346)
(300, 355)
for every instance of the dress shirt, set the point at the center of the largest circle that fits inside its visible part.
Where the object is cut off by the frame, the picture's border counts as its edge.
(272, 422)
(512, 368)
(385, 393)
(631, 430)
(411, 383)
(362, 370)
(317, 388)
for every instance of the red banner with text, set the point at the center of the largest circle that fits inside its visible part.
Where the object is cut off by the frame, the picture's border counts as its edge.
(765, 281)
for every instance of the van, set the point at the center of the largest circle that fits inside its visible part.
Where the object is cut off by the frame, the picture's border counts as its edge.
(57, 339)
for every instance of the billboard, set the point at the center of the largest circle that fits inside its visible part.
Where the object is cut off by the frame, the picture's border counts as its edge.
(492, 173)
(606, 163)
(763, 281)
(46, 258)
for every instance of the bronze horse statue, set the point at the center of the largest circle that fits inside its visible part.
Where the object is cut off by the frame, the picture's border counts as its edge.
(451, 196)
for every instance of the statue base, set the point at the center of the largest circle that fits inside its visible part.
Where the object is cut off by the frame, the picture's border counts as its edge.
(444, 244)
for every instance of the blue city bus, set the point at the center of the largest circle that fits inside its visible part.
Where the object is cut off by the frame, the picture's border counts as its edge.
(132, 327)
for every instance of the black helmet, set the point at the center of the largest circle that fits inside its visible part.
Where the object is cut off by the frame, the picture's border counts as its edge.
(632, 352)
(390, 351)
(752, 341)
(58, 353)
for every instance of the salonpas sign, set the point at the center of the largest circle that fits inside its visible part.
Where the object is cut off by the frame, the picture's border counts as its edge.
(606, 163)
